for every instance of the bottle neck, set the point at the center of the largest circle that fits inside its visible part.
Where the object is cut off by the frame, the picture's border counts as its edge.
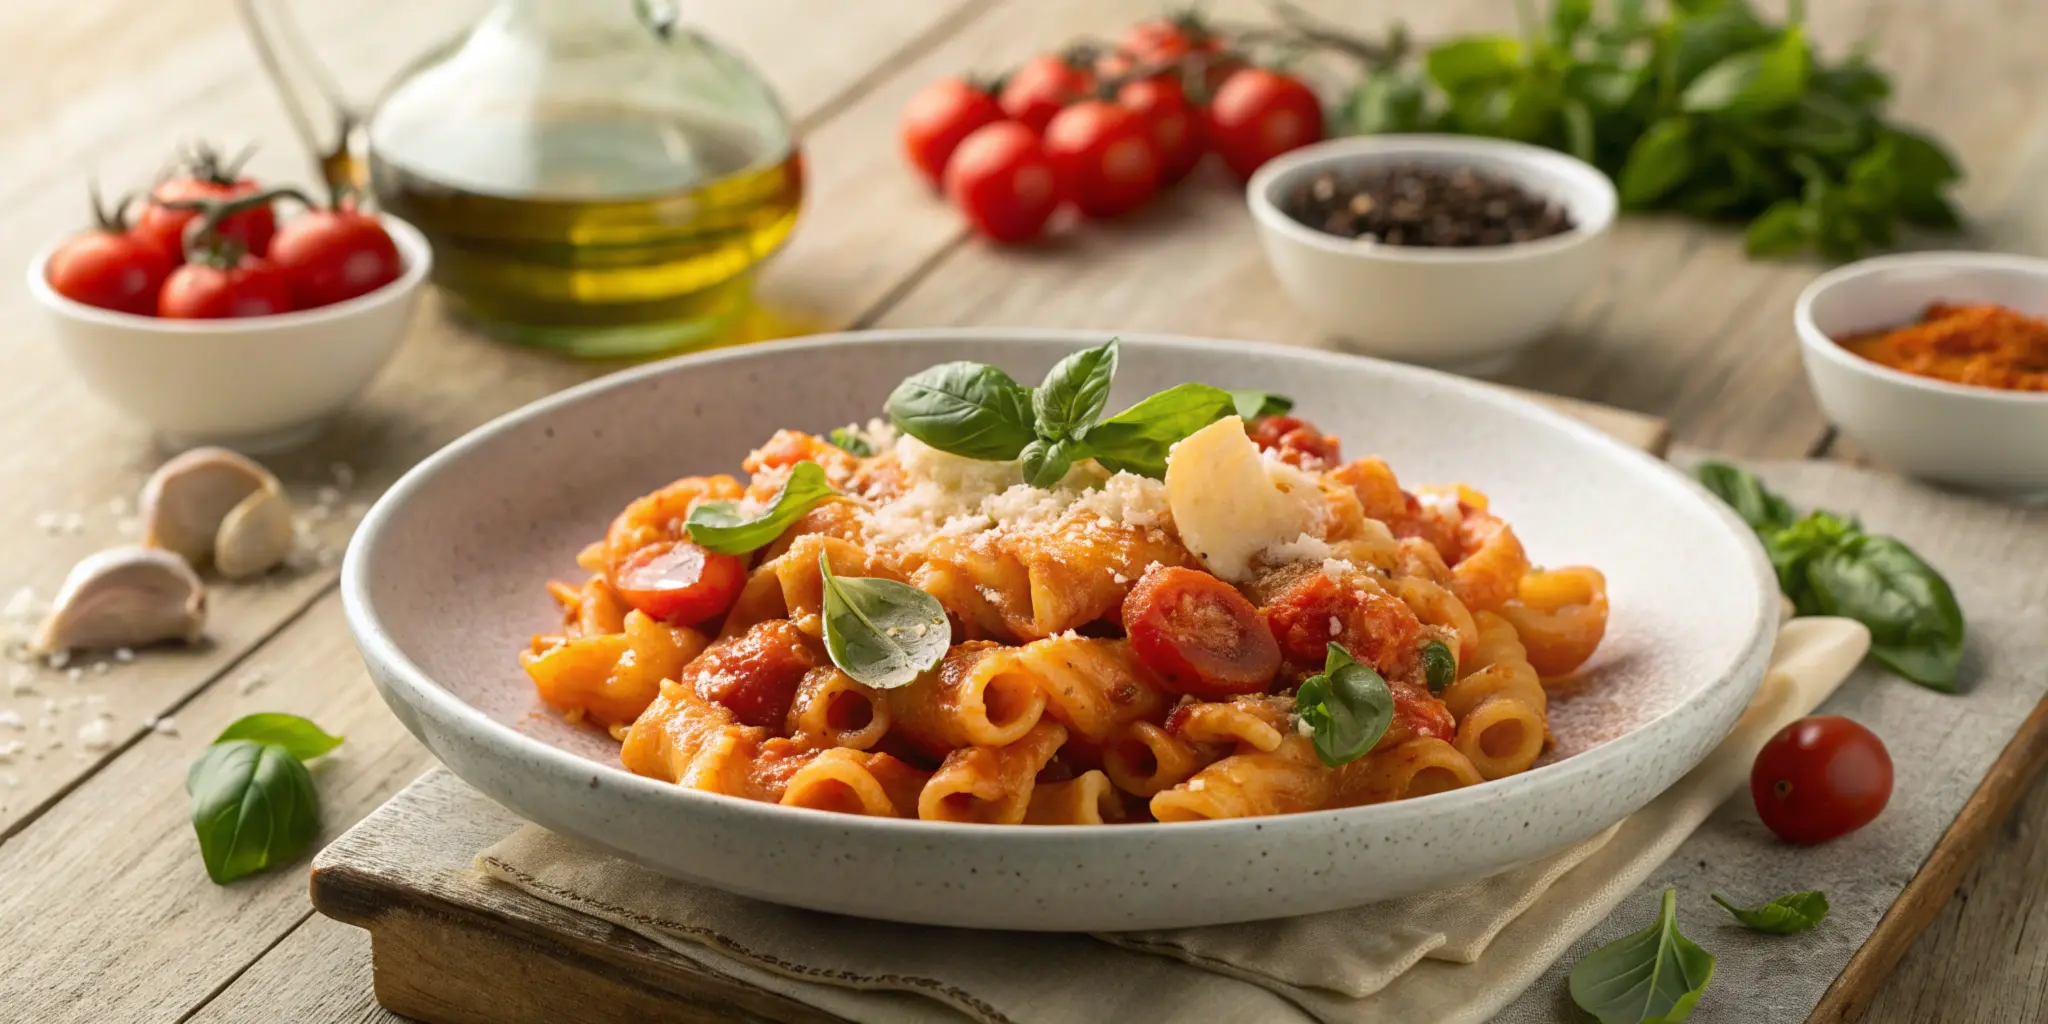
(582, 18)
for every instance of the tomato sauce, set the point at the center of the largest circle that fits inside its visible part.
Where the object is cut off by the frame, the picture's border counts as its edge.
(1981, 345)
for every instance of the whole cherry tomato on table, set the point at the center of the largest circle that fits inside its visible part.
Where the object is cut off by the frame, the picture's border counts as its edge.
(1002, 181)
(939, 117)
(679, 582)
(329, 255)
(207, 178)
(1819, 778)
(1104, 157)
(221, 286)
(1180, 39)
(1045, 84)
(109, 267)
(1172, 122)
(1259, 114)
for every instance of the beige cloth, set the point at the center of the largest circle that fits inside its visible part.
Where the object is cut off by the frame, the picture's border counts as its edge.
(1456, 955)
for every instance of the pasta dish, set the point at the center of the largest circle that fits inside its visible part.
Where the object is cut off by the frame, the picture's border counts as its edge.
(998, 604)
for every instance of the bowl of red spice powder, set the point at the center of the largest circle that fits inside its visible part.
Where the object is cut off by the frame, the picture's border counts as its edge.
(1937, 364)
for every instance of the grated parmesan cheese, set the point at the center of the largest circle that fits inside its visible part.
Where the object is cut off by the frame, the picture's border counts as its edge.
(952, 496)
(1337, 569)
(1305, 548)
(1336, 626)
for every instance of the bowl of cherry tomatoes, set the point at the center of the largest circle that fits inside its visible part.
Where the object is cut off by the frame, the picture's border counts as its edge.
(215, 321)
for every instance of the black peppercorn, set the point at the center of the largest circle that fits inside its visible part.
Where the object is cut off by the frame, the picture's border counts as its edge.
(1419, 205)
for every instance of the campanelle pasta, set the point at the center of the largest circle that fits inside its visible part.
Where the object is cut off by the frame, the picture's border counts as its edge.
(1261, 628)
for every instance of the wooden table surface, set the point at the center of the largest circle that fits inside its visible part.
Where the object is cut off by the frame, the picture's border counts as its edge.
(107, 911)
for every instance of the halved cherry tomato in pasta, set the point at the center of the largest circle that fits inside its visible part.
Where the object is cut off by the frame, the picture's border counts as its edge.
(755, 675)
(679, 582)
(1819, 778)
(1199, 635)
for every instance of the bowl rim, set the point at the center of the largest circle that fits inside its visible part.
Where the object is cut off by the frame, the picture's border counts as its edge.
(412, 245)
(1816, 343)
(1587, 180)
(395, 671)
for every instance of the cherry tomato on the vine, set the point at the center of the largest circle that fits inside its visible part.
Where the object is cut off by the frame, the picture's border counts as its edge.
(1001, 180)
(1158, 40)
(1104, 157)
(1045, 84)
(679, 582)
(109, 266)
(1172, 122)
(1259, 114)
(331, 255)
(215, 289)
(938, 117)
(165, 226)
(1819, 778)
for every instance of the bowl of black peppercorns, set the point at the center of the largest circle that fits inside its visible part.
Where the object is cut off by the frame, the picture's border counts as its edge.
(1437, 249)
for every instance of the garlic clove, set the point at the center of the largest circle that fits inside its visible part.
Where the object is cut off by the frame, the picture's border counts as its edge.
(124, 597)
(186, 499)
(256, 535)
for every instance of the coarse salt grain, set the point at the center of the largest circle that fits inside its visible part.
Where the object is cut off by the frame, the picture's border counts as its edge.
(49, 522)
(128, 526)
(249, 683)
(95, 735)
(165, 726)
(124, 655)
(12, 720)
(20, 680)
(118, 507)
(9, 749)
(74, 522)
(59, 659)
(327, 497)
(99, 668)
(21, 605)
(75, 673)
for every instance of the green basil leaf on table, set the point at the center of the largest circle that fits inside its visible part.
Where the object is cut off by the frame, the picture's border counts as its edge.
(1602, 88)
(1439, 666)
(1658, 161)
(850, 442)
(1916, 626)
(253, 807)
(1757, 81)
(1074, 392)
(1255, 405)
(1706, 34)
(1782, 229)
(969, 409)
(1461, 63)
(1795, 912)
(724, 527)
(1655, 976)
(1386, 100)
(296, 736)
(1136, 440)
(1745, 492)
(882, 633)
(1045, 462)
(1347, 708)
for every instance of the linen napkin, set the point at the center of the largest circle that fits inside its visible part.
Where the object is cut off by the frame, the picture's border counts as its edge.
(1456, 955)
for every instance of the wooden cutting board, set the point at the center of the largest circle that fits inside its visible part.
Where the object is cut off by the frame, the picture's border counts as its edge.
(449, 946)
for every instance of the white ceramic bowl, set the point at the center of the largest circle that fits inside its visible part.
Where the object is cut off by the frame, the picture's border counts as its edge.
(445, 583)
(1977, 438)
(1468, 309)
(260, 384)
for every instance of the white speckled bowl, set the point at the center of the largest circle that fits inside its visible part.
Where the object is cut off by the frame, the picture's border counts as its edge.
(444, 584)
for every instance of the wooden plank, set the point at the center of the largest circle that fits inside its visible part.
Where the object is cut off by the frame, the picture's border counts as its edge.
(443, 382)
(320, 972)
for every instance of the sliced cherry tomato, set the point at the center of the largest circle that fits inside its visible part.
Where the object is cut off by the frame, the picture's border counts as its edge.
(110, 270)
(1045, 84)
(1001, 180)
(678, 582)
(1199, 635)
(1296, 442)
(754, 675)
(332, 255)
(1819, 778)
(211, 290)
(1172, 122)
(938, 118)
(1104, 157)
(1259, 114)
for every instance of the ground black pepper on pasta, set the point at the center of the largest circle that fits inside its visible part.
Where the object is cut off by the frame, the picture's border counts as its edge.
(1412, 204)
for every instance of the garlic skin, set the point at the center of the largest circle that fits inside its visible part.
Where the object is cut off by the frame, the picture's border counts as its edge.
(255, 535)
(188, 501)
(124, 597)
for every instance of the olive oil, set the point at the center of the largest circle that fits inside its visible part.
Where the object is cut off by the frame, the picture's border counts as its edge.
(601, 233)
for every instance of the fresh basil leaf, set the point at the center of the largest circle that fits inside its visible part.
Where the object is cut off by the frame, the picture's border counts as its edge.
(1793, 550)
(1706, 36)
(723, 526)
(1655, 976)
(1658, 161)
(1754, 82)
(1074, 392)
(850, 442)
(1045, 462)
(1916, 626)
(297, 736)
(1578, 129)
(1567, 17)
(1136, 440)
(1386, 100)
(1461, 63)
(1602, 88)
(1782, 229)
(1439, 666)
(882, 633)
(1347, 708)
(1782, 916)
(969, 409)
(253, 807)
(1256, 405)
(1745, 492)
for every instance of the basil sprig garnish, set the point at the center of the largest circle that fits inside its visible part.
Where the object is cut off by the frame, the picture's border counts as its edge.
(1439, 666)
(1794, 912)
(1347, 708)
(253, 801)
(720, 525)
(850, 442)
(1828, 565)
(882, 633)
(1655, 976)
(977, 411)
